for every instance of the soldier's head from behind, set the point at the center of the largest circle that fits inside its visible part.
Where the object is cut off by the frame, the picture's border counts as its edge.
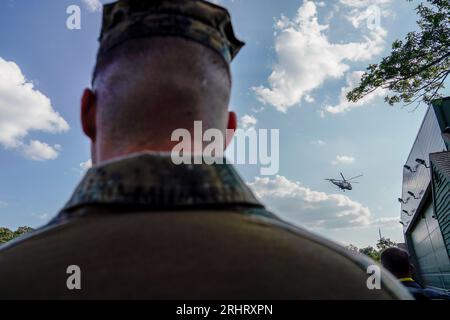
(397, 261)
(161, 65)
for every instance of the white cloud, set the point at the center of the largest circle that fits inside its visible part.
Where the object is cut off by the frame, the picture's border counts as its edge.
(3, 204)
(362, 4)
(320, 4)
(309, 208)
(367, 12)
(387, 222)
(344, 105)
(43, 216)
(248, 122)
(257, 110)
(40, 151)
(343, 160)
(86, 165)
(93, 5)
(318, 142)
(309, 98)
(364, 10)
(314, 209)
(306, 58)
(24, 109)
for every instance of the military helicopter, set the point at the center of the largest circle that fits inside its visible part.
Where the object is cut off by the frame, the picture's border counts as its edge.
(344, 184)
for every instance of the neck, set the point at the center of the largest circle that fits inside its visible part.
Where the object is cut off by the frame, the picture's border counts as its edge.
(107, 154)
(178, 148)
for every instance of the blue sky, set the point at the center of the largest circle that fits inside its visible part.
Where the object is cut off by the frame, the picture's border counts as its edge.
(313, 50)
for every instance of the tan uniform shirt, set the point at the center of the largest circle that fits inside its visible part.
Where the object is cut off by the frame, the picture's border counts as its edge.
(144, 228)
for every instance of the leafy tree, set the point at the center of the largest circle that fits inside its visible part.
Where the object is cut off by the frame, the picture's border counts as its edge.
(8, 235)
(351, 247)
(371, 252)
(385, 243)
(21, 231)
(418, 66)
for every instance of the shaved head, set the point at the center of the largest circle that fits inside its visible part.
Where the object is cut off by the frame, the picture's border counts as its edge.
(147, 88)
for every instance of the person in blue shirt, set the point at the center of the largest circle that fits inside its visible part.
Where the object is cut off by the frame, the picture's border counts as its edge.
(397, 261)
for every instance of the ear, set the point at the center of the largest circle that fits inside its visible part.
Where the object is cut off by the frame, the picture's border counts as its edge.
(231, 127)
(88, 113)
(232, 121)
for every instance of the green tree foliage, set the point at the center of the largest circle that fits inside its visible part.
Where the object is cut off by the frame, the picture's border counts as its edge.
(371, 252)
(352, 248)
(418, 66)
(8, 235)
(385, 243)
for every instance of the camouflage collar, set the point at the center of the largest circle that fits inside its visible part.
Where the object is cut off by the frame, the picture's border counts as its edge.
(153, 181)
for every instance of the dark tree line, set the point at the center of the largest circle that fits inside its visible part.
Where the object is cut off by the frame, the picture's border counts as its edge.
(371, 252)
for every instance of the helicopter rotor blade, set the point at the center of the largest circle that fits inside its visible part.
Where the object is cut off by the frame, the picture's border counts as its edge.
(342, 176)
(355, 177)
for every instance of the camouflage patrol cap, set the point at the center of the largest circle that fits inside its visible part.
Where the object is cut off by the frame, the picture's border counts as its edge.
(196, 20)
